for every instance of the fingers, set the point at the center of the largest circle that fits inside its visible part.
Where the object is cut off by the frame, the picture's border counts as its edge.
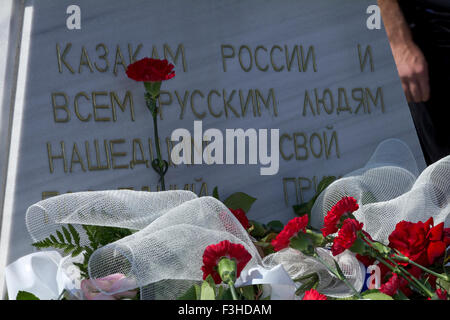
(415, 92)
(405, 85)
(416, 87)
(424, 83)
(413, 71)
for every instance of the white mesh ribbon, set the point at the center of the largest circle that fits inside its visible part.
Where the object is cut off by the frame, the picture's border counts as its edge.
(165, 256)
(297, 265)
(389, 191)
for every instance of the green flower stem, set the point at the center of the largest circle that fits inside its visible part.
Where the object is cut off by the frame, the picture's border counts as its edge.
(61, 296)
(406, 259)
(338, 275)
(233, 291)
(406, 275)
(151, 104)
(306, 277)
(158, 150)
(418, 284)
(399, 269)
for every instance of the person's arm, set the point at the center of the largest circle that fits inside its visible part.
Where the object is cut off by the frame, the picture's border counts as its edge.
(411, 64)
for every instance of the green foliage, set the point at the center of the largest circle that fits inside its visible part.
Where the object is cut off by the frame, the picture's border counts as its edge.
(303, 244)
(208, 289)
(24, 295)
(308, 282)
(375, 295)
(68, 240)
(275, 226)
(215, 193)
(305, 208)
(248, 292)
(193, 293)
(239, 200)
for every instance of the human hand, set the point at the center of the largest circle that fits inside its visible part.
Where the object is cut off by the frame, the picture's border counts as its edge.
(413, 71)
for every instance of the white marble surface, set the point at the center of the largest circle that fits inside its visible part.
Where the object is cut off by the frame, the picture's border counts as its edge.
(333, 28)
(10, 22)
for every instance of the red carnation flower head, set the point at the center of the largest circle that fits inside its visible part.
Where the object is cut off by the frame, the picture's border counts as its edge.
(421, 242)
(150, 70)
(240, 215)
(313, 294)
(391, 286)
(442, 294)
(340, 210)
(291, 230)
(346, 237)
(224, 249)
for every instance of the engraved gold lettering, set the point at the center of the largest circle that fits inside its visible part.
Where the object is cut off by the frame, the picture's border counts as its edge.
(103, 57)
(198, 115)
(115, 154)
(52, 157)
(168, 54)
(61, 58)
(227, 56)
(122, 105)
(216, 115)
(84, 60)
(78, 159)
(97, 106)
(60, 107)
(119, 60)
(77, 112)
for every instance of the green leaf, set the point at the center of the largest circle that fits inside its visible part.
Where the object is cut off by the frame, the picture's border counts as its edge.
(368, 197)
(276, 225)
(193, 293)
(338, 269)
(257, 230)
(302, 244)
(302, 209)
(226, 295)
(215, 193)
(208, 291)
(443, 284)
(75, 234)
(375, 295)
(400, 296)
(77, 251)
(24, 295)
(358, 246)
(60, 236)
(324, 183)
(306, 207)
(248, 292)
(239, 200)
(52, 237)
(67, 234)
(381, 248)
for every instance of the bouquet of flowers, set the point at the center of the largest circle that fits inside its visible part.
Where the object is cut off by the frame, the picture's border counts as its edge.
(173, 245)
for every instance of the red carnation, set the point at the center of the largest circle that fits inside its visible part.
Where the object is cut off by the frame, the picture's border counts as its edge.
(314, 295)
(365, 260)
(291, 229)
(333, 218)
(224, 249)
(391, 287)
(346, 237)
(240, 215)
(442, 294)
(421, 242)
(151, 70)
